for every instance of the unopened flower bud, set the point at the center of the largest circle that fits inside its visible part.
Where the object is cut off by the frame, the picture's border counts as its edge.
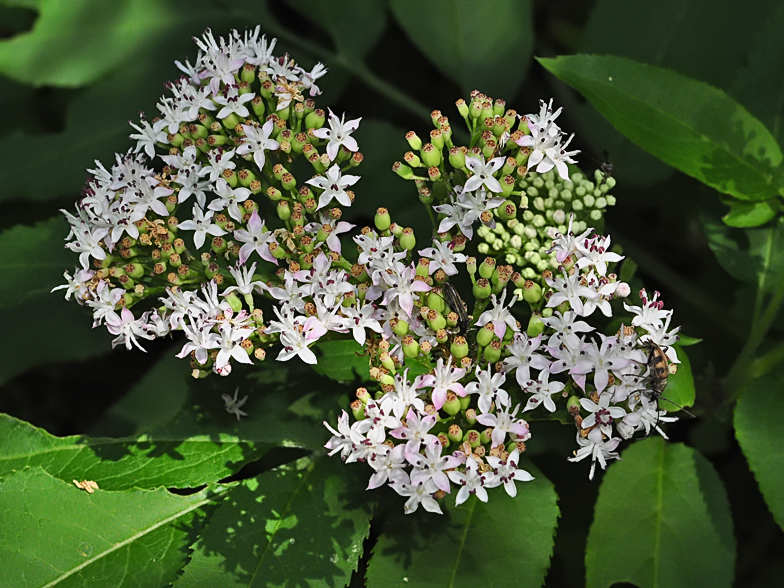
(459, 347)
(532, 292)
(487, 268)
(407, 239)
(482, 289)
(431, 155)
(471, 265)
(573, 405)
(403, 170)
(485, 335)
(410, 347)
(452, 404)
(382, 219)
(315, 119)
(535, 325)
(492, 352)
(470, 416)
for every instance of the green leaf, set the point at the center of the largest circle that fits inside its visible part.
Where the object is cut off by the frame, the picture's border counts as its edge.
(684, 122)
(478, 45)
(286, 406)
(687, 341)
(662, 520)
(354, 25)
(506, 542)
(55, 534)
(33, 260)
(759, 432)
(149, 461)
(342, 361)
(760, 84)
(680, 391)
(89, 39)
(750, 214)
(288, 527)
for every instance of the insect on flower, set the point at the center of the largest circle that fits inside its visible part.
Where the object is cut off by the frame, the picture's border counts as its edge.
(458, 307)
(659, 369)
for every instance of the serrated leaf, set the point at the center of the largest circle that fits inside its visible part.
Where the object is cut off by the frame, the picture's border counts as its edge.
(354, 25)
(479, 45)
(79, 32)
(759, 432)
(342, 360)
(118, 464)
(288, 527)
(662, 520)
(506, 542)
(746, 215)
(684, 122)
(55, 534)
(33, 259)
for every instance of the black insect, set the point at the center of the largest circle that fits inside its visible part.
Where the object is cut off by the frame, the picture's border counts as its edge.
(606, 167)
(458, 307)
(659, 369)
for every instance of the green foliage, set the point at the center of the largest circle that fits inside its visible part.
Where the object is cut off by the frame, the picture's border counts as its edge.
(55, 534)
(299, 525)
(758, 429)
(342, 361)
(507, 542)
(662, 519)
(699, 129)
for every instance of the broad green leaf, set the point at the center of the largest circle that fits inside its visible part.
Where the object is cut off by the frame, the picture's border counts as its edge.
(684, 122)
(760, 84)
(730, 246)
(680, 385)
(33, 261)
(88, 37)
(759, 432)
(744, 215)
(478, 45)
(287, 404)
(766, 246)
(118, 464)
(506, 542)
(288, 527)
(153, 401)
(55, 534)
(354, 25)
(342, 361)
(662, 520)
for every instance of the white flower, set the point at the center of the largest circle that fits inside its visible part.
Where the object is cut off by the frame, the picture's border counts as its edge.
(257, 141)
(147, 137)
(595, 253)
(504, 422)
(506, 473)
(361, 318)
(472, 482)
(542, 391)
(483, 173)
(418, 493)
(229, 198)
(233, 102)
(334, 186)
(339, 133)
(203, 226)
(126, 328)
(602, 414)
(500, 316)
(488, 386)
(444, 378)
(442, 256)
(256, 238)
(597, 448)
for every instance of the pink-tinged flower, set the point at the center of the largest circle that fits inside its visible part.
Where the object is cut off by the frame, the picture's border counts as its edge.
(602, 414)
(334, 186)
(650, 315)
(343, 439)
(339, 133)
(472, 481)
(442, 256)
(388, 466)
(202, 225)
(256, 238)
(601, 360)
(415, 431)
(596, 253)
(432, 465)
(230, 348)
(233, 102)
(500, 316)
(229, 198)
(523, 357)
(504, 422)
(418, 493)
(405, 395)
(201, 338)
(597, 448)
(403, 287)
(483, 173)
(257, 140)
(506, 473)
(360, 318)
(565, 245)
(126, 328)
(542, 391)
(569, 289)
(488, 386)
(443, 378)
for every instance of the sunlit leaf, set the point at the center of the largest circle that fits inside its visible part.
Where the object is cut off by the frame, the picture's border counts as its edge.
(684, 122)
(55, 534)
(662, 520)
(750, 214)
(289, 527)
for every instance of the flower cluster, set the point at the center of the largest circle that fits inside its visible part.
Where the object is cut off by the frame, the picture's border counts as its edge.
(204, 226)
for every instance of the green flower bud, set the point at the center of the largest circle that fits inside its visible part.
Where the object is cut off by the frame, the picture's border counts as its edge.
(452, 404)
(277, 251)
(407, 239)
(492, 352)
(413, 140)
(234, 302)
(284, 210)
(358, 410)
(455, 433)
(470, 415)
(443, 439)
(532, 292)
(573, 405)
(487, 267)
(410, 347)
(382, 219)
(475, 110)
(436, 320)
(482, 289)
(399, 326)
(459, 347)
(437, 139)
(486, 436)
(471, 265)
(465, 402)
(134, 270)
(456, 158)
(485, 335)
(435, 300)
(462, 107)
(431, 155)
(535, 325)
(403, 170)
(315, 119)
(507, 211)
(473, 437)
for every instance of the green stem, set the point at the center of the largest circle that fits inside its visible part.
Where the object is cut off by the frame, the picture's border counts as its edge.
(762, 365)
